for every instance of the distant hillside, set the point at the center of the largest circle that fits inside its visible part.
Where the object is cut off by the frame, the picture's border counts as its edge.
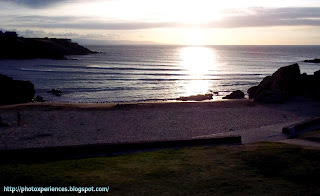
(14, 47)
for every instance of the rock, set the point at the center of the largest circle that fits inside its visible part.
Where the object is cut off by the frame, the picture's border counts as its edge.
(235, 95)
(275, 96)
(305, 85)
(311, 86)
(55, 92)
(15, 91)
(39, 99)
(286, 78)
(312, 61)
(278, 87)
(252, 92)
(285, 83)
(196, 97)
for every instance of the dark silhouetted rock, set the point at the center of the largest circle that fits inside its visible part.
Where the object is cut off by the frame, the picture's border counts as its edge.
(278, 87)
(252, 91)
(13, 47)
(39, 99)
(310, 85)
(313, 61)
(196, 97)
(15, 91)
(235, 95)
(285, 83)
(55, 92)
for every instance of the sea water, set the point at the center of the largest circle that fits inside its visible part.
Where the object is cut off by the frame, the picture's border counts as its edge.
(140, 73)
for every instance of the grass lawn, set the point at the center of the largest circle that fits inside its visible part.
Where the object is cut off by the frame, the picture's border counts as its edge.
(255, 169)
(313, 136)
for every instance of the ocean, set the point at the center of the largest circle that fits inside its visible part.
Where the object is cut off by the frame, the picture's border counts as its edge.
(142, 73)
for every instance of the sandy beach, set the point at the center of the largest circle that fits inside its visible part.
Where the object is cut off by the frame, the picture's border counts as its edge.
(63, 124)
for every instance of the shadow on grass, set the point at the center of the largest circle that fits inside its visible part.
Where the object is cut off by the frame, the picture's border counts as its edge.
(263, 168)
(313, 136)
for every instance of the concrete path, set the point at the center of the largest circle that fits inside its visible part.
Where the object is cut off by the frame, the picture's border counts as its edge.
(271, 133)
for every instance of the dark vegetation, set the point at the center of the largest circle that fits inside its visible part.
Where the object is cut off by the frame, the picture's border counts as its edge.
(255, 169)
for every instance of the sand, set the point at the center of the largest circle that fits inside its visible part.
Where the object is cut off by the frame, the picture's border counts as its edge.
(60, 124)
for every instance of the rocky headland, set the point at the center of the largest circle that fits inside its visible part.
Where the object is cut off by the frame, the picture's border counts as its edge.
(312, 61)
(285, 83)
(14, 47)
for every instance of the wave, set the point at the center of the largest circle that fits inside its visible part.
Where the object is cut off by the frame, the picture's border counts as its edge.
(239, 84)
(133, 68)
(36, 70)
(140, 74)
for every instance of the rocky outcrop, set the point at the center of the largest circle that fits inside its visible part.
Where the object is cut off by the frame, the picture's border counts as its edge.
(39, 99)
(235, 95)
(13, 47)
(55, 92)
(196, 97)
(309, 85)
(15, 91)
(286, 82)
(312, 61)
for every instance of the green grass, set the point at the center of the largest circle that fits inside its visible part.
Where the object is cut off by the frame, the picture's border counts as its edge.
(256, 169)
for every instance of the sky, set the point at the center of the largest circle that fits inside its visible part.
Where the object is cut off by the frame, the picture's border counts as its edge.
(175, 22)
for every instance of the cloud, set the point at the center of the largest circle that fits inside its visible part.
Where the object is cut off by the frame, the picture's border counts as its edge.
(86, 38)
(39, 4)
(31, 33)
(36, 3)
(253, 17)
(81, 23)
(264, 17)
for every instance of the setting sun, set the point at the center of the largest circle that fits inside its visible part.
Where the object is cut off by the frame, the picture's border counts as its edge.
(197, 60)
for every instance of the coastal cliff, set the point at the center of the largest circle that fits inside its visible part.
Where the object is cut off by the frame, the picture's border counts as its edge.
(14, 47)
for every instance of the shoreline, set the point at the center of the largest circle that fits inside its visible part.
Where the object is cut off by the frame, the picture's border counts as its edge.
(89, 105)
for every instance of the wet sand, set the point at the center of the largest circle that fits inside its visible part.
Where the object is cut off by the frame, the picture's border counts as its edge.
(62, 124)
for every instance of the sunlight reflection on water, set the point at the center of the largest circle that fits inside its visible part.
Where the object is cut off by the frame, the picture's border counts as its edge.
(198, 63)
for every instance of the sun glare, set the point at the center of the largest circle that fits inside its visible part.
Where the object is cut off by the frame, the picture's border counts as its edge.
(194, 36)
(198, 62)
